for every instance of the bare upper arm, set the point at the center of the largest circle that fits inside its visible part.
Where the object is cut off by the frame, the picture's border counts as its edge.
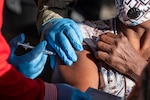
(82, 74)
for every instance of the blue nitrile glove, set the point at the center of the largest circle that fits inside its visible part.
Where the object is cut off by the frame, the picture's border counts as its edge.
(63, 35)
(30, 64)
(67, 92)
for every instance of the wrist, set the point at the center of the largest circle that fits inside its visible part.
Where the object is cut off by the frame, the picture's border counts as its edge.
(137, 70)
(44, 16)
(50, 92)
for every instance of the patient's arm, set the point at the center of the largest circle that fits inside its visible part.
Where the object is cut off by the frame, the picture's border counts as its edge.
(82, 74)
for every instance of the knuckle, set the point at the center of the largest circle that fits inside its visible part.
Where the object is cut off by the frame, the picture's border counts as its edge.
(112, 51)
(122, 38)
(116, 42)
(98, 54)
(108, 60)
(102, 37)
(99, 44)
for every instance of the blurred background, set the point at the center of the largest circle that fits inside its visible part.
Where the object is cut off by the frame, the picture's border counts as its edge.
(20, 17)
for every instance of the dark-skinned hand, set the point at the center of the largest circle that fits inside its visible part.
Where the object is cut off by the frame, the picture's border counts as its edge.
(118, 52)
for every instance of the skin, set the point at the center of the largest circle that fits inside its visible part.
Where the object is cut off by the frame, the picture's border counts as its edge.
(127, 52)
(82, 74)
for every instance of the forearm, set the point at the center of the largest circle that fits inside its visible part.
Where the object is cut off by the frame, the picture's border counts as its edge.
(48, 9)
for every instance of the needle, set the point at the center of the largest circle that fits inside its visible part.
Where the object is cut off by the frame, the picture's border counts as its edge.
(27, 45)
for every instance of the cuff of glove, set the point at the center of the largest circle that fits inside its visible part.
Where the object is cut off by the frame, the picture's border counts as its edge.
(50, 92)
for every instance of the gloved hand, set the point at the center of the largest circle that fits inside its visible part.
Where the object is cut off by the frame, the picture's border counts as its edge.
(30, 64)
(63, 36)
(67, 92)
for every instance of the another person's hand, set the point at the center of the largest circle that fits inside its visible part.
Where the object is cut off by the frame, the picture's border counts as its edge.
(30, 64)
(63, 36)
(117, 51)
(67, 92)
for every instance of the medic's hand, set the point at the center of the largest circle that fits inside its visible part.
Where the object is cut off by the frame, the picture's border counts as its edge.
(63, 35)
(30, 64)
(67, 92)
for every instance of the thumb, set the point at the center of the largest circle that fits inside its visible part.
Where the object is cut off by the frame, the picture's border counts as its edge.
(13, 45)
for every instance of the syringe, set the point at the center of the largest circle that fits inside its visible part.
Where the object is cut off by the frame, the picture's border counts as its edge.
(27, 45)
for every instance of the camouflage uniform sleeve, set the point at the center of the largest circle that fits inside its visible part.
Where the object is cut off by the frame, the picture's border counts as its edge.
(49, 9)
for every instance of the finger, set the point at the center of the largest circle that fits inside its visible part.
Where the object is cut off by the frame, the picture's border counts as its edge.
(55, 44)
(34, 75)
(73, 25)
(63, 56)
(40, 62)
(33, 68)
(13, 45)
(102, 55)
(52, 57)
(37, 70)
(29, 67)
(78, 31)
(121, 34)
(59, 49)
(74, 37)
(107, 39)
(52, 61)
(111, 35)
(67, 47)
(102, 46)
